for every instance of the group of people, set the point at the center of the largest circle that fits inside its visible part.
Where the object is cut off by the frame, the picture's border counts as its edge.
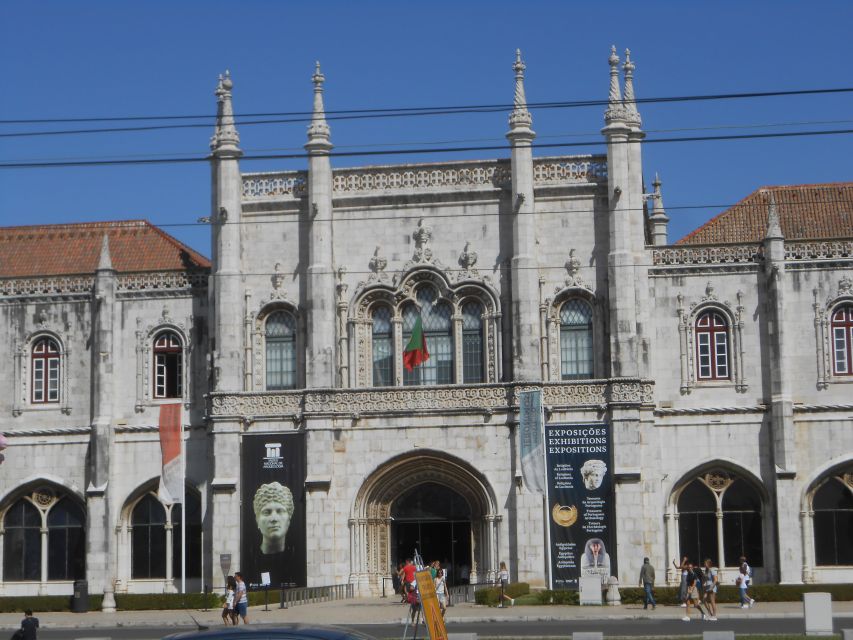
(236, 603)
(699, 585)
(406, 586)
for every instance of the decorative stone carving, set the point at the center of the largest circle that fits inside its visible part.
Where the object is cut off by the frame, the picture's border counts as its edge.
(377, 266)
(575, 170)
(807, 250)
(165, 280)
(823, 333)
(43, 498)
(275, 186)
(144, 351)
(467, 260)
(717, 481)
(845, 286)
(405, 400)
(710, 255)
(573, 267)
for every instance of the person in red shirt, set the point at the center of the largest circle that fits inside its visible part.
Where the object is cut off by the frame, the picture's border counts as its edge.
(409, 574)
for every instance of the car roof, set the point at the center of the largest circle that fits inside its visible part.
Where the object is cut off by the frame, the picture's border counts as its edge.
(295, 631)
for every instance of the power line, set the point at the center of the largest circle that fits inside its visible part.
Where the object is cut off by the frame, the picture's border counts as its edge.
(294, 156)
(477, 108)
(568, 134)
(361, 114)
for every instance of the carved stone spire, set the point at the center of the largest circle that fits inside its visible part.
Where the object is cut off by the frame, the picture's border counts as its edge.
(630, 102)
(774, 227)
(658, 219)
(318, 130)
(225, 140)
(520, 119)
(105, 262)
(615, 108)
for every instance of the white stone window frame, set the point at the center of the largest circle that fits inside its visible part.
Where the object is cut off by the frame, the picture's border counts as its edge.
(733, 317)
(145, 339)
(124, 534)
(23, 375)
(360, 323)
(258, 354)
(43, 497)
(823, 336)
(551, 320)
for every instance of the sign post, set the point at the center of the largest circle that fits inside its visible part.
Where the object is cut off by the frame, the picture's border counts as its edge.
(429, 605)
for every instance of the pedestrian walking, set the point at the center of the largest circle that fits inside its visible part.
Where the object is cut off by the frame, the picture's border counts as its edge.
(682, 588)
(742, 582)
(29, 626)
(229, 615)
(647, 581)
(441, 590)
(503, 582)
(242, 597)
(748, 573)
(694, 584)
(710, 589)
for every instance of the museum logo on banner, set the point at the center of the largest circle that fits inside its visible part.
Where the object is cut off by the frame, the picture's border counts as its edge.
(273, 459)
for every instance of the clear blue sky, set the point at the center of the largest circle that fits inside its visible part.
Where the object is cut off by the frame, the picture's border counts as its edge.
(109, 58)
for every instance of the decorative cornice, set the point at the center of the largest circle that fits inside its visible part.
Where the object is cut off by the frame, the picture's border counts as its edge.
(491, 398)
(59, 431)
(696, 411)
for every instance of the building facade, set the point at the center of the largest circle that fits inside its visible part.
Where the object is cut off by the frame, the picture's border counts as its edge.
(721, 366)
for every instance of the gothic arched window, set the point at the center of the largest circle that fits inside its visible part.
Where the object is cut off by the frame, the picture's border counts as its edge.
(697, 523)
(168, 365)
(472, 343)
(742, 524)
(25, 536)
(833, 524)
(712, 346)
(66, 541)
(193, 537)
(148, 538)
(728, 520)
(46, 363)
(280, 335)
(842, 341)
(383, 347)
(22, 542)
(438, 334)
(575, 340)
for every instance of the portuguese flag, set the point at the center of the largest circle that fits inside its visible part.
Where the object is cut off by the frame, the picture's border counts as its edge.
(416, 352)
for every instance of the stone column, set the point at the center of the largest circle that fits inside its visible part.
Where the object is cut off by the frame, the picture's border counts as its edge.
(320, 284)
(225, 281)
(524, 264)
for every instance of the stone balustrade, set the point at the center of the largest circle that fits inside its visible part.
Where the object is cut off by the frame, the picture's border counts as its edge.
(485, 398)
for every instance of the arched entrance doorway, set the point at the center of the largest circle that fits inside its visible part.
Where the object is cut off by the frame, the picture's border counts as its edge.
(436, 521)
(430, 501)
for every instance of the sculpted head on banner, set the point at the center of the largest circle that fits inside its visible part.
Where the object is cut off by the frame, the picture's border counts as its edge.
(593, 472)
(273, 506)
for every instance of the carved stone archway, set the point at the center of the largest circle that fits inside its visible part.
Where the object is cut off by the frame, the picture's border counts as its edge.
(370, 524)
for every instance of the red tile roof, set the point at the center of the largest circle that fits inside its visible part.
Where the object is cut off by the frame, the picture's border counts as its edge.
(806, 211)
(70, 249)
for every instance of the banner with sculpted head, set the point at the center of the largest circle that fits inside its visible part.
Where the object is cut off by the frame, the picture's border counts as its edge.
(273, 509)
(578, 462)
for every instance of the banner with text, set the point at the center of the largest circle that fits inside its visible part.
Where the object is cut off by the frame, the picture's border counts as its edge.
(578, 462)
(272, 489)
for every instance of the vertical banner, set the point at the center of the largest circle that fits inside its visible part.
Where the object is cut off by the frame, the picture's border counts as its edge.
(171, 489)
(272, 491)
(530, 421)
(578, 460)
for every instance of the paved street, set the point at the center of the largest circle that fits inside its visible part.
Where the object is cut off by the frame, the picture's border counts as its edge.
(384, 618)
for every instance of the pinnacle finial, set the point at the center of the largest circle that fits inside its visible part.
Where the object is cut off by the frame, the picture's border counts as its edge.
(657, 198)
(633, 116)
(774, 226)
(520, 118)
(105, 262)
(318, 130)
(615, 107)
(225, 140)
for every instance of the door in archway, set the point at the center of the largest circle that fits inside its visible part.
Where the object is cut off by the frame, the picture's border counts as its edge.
(436, 521)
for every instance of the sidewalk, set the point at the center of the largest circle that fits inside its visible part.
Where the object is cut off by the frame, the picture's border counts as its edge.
(389, 611)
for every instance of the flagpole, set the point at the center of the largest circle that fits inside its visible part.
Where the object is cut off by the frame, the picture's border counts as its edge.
(183, 510)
